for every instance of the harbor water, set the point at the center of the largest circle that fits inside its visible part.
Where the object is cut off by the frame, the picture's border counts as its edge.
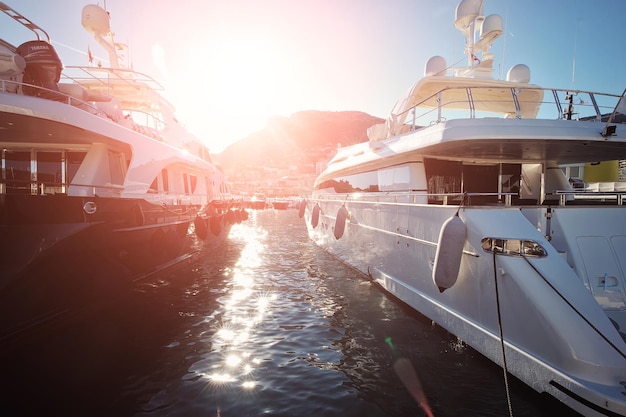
(268, 325)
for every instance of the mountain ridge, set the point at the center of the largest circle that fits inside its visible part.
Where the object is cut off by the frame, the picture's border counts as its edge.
(297, 139)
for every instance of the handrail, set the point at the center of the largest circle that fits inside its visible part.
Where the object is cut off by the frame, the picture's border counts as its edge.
(152, 122)
(505, 199)
(23, 21)
(56, 94)
(40, 186)
(564, 104)
(128, 76)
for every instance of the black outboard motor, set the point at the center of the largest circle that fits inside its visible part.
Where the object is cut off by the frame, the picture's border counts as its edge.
(43, 69)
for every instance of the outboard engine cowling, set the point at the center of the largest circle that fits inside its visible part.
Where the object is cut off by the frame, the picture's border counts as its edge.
(43, 69)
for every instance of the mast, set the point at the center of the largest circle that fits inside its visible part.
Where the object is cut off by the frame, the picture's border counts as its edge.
(97, 21)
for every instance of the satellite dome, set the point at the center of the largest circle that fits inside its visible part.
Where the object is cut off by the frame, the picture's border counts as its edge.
(466, 12)
(96, 20)
(491, 28)
(519, 73)
(436, 65)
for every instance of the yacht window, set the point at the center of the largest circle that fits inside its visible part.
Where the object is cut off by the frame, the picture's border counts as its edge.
(73, 161)
(405, 177)
(186, 183)
(444, 177)
(362, 182)
(16, 172)
(50, 173)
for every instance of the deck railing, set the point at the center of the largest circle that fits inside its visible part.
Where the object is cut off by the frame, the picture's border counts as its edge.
(559, 198)
(555, 104)
(37, 187)
(14, 87)
(143, 119)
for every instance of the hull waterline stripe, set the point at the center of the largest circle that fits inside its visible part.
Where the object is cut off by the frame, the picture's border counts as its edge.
(584, 401)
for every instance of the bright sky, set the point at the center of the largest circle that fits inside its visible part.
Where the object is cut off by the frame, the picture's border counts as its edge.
(230, 65)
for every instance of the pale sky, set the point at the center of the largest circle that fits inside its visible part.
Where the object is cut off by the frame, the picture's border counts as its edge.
(229, 65)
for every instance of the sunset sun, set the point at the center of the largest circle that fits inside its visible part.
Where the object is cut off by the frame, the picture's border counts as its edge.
(237, 82)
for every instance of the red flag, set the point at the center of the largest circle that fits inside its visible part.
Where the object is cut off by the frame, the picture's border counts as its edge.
(89, 56)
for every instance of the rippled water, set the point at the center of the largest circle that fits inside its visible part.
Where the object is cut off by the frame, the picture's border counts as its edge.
(270, 325)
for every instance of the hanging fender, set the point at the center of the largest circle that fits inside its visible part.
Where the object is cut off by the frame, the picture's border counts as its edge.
(230, 217)
(315, 215)
(216, 224)
(340, 221)
(301, 208)
(449, 253)
(201, 227)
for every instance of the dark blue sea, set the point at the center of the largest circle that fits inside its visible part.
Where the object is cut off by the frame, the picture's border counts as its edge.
(267, 325)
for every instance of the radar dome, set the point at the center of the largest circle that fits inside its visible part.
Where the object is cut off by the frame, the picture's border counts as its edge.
(491, 28)
(465, 13)
(96, 20)
(519, 73)
(436, 65)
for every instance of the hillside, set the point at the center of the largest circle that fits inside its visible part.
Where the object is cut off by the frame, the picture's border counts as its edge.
(297, 139)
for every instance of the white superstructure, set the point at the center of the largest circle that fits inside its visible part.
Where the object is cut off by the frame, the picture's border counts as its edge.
(100, 184)
(459, 206)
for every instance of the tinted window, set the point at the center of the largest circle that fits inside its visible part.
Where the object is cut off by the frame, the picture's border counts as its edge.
(363, 182)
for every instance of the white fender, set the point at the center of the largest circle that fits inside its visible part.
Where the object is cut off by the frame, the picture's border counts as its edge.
(449, 253)
(340, 221)
(301, 208)
(315, 216)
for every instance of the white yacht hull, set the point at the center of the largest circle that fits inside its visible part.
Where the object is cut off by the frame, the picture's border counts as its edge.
(558, 339)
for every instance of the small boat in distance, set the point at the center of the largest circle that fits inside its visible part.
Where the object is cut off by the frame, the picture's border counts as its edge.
(461, 206)
(100, 184)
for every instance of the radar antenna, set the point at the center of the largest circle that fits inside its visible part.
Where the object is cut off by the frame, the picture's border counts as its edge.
(97, 21)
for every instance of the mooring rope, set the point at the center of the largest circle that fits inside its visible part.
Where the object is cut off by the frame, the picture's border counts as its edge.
(504, 366)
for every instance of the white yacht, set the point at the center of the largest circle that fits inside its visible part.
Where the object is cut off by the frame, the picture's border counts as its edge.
(100, 184)
(459, 205)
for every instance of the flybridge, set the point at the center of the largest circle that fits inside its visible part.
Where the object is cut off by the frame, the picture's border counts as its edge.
(471, 92)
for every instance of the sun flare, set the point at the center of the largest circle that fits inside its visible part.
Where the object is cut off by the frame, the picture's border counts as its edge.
(233, 84)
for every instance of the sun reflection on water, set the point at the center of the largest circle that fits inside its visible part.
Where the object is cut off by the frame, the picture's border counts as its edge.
(231, 361)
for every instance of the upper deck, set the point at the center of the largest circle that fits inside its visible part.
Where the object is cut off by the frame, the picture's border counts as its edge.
(438, 99)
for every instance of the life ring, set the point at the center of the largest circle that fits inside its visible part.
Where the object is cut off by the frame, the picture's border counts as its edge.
(449, 253)
(340, 221)
(201, 227)
(315, 215)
